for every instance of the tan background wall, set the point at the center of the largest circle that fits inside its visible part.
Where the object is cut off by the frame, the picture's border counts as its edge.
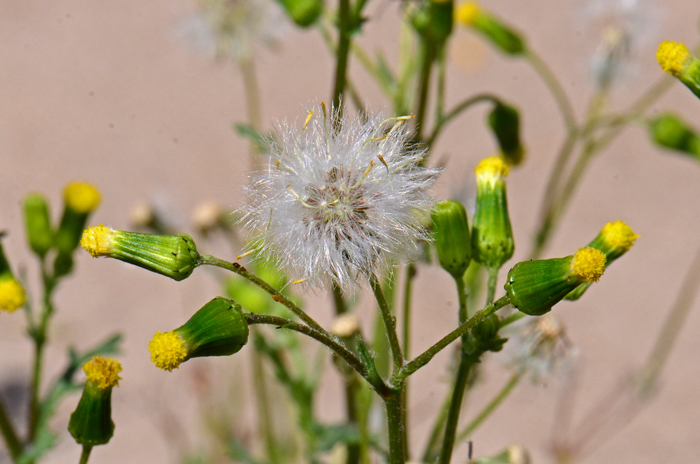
(107, 92)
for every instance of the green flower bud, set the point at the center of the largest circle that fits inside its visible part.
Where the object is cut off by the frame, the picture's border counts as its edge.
(91, 422)
(669, 131)
(81, 199)
(507, 40)
(614, 240)
(533, 287)
(434, 20)
(675, 59)
(492, 237)
(505, 124)
(38, 223)
(219, 328)
(303, 12)
(174, 256)
(451, 233)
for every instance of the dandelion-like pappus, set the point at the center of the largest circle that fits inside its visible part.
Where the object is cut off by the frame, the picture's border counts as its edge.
(340, 198)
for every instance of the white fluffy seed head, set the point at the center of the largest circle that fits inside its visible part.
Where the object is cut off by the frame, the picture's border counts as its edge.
(333, 206)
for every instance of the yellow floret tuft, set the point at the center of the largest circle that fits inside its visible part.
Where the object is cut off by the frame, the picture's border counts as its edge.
(12, 296)
(672, 57)
(491, 170)
(588, 264)
(81, 197)
(467, 13)
(103, 372)
(98, 240)
(168, 350)
(619, 235)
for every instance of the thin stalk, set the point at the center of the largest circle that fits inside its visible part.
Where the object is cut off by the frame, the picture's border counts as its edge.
(554, 86)
(342, 53)
(397, 438)
(85, 455)
(14, 445)
(423, 359)
(264, 412)
(337, 347)
(436, 431)
(465, 366)
(489, 408)
(276, 294)
(512, 318)
(389, 323)
(493, 282)
(351, 406)
(427, 56)
(408, 286)
(456, 111)
(671, 328)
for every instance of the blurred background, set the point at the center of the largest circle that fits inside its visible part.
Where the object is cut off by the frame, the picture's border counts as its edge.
(117, 94)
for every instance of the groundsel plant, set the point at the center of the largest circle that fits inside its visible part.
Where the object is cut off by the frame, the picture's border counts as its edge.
(340, 198)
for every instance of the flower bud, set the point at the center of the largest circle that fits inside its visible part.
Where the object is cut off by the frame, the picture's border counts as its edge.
(492, 237)
(174, 256)
(303, 12)
(435, 20)
(675, 59)
(505, 124)
(472, 15)
(80, 200)
(38, 223)
(451, 233)
(614, 240)
(12, 296)
(533, 287)
(669, 131)
(91, 422)
(219, 328)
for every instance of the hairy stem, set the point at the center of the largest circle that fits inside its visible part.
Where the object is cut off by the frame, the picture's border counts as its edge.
(342, 54)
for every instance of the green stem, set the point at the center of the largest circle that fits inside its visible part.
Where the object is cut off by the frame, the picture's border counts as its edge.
(14, 445)
(351, 406)
(423, 359)
(337, 347)
(389, 323)
(493, 282)
(430, 452)
(85, 455)
(397, 438)
(342, 53)
(428, 57)
(252, 99)
(465, 366)
(276, 294)
(264, 412)
(671, 328)
(490, 408)
(408, 286)
(555, 87)
(512, 318)
(456, 111)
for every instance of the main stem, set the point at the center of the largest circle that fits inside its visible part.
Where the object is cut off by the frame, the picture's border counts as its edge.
(342, 54)
(14, 445)
(395, 406)
(39, 336)
(428, 57)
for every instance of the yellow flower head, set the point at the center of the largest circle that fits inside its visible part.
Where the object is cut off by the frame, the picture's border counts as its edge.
(673, 57)
(467, 13)
(12, 296)
(98, 240)
(103, 372)
(168, 350)
(81, 197)
(588, 264)
(619, 236)
(491, 170)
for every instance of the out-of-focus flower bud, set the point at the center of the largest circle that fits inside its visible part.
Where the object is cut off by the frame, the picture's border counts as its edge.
(12, 296)
(669, 131)
(81, 199)
(471, 14)
(303, 12)
(38, 223)
(505, 124)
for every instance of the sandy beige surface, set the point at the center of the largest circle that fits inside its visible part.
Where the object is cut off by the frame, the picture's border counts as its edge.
(107, 92)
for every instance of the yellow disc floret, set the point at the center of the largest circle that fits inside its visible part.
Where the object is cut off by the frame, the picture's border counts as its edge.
(588, 264)
(12, 296)
(673, 57)
(81, 197)
(104, 373)
(467, 13)
(168, 350)
(619, 235)
(491, 170)
(98, 240)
